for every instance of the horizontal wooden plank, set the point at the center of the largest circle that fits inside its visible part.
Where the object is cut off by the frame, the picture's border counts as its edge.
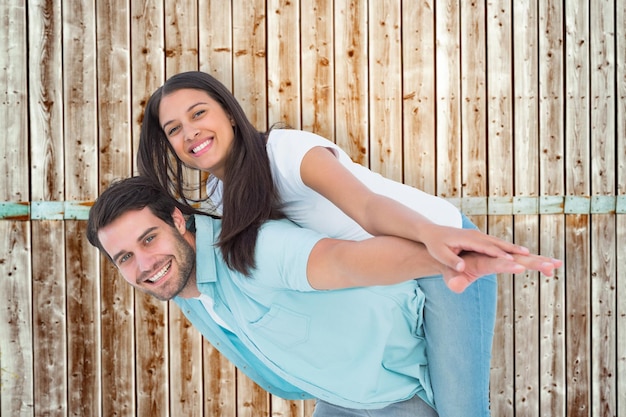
(79, 210)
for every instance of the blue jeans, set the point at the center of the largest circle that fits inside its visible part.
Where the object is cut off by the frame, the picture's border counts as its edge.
(459, 332)
(415, 407)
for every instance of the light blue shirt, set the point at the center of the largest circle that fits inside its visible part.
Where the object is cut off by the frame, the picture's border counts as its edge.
(357, 348)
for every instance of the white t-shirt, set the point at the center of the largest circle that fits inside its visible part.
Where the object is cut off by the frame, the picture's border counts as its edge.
(286, 149)
(208, 304)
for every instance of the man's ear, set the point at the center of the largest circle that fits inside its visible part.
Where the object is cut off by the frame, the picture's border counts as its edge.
(179, 221)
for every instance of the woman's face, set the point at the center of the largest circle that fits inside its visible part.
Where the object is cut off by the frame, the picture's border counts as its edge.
(198, 128)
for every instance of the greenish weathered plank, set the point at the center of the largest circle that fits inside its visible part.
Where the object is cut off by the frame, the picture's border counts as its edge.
(14, 210)
(45, 210)
(79, 210)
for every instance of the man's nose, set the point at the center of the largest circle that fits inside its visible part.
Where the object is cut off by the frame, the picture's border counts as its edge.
(145, 262)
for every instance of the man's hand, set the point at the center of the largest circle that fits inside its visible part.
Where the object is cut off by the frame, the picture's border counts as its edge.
(478, 265)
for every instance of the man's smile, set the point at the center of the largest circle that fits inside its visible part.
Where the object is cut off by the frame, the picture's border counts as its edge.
(160, 273)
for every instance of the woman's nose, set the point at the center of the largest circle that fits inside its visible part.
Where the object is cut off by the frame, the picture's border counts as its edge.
(191, 133)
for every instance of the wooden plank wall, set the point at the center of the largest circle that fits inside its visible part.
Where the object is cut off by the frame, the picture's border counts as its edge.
(515, 111)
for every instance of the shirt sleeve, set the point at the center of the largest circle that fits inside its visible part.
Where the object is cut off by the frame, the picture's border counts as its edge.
(286, 149)
(282, 254)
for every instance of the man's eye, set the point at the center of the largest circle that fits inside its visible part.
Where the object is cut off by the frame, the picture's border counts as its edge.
(149, 239)
(125, 258)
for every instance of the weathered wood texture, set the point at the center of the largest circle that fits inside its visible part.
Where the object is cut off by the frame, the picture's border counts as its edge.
(17, 353)
(620, 223)
(515, 111)
(499, 92)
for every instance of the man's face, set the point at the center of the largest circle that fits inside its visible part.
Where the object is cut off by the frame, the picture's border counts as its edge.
(150, 254)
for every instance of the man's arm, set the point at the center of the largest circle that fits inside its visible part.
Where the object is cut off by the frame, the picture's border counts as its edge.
(385, 260)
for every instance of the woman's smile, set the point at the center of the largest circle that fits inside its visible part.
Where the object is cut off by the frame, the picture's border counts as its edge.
(197, 150)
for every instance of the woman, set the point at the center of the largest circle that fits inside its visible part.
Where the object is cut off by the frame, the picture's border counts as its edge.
(194, 121)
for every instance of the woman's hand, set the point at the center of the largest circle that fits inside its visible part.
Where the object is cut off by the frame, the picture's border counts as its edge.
(446, 243)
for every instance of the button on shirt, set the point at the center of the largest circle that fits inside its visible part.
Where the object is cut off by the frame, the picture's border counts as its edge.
(357, 348)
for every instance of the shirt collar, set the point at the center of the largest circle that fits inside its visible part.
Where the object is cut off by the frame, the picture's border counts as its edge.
(207, 232)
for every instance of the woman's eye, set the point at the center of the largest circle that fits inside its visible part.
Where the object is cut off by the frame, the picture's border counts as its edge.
(172, 131)
(198, 114)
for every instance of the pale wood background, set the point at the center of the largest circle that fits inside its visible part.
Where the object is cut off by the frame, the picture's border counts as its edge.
(513, 110)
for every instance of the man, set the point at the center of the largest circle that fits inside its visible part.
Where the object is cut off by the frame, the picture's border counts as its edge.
(336, 320)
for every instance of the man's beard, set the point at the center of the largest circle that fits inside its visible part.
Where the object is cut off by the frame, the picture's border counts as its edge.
(185, 257)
